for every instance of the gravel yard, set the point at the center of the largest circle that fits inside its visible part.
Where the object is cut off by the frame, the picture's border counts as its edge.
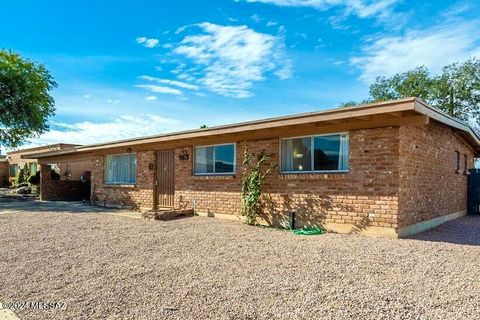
(112, 267)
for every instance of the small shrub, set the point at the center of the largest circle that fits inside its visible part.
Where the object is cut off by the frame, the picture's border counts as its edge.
(22, 176)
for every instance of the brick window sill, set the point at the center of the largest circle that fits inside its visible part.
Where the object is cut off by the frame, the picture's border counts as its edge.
(314, 175)
(213, 177)
(122, 186)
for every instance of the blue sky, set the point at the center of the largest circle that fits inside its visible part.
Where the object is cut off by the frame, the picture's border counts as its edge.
(133, 68)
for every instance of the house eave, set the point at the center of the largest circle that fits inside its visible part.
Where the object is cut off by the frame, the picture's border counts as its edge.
(388, 113)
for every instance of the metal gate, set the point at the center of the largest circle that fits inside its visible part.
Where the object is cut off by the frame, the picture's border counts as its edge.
(166, 178)
(473, 196)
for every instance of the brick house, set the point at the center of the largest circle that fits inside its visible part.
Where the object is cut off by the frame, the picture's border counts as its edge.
(72, 170)
(389, 169)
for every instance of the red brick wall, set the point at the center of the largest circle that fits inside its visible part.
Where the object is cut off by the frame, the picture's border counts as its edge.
(4, 173)
(367, 195)
(398, 176)
(75, 169)
(61, 189)
(429, 185)
(138, 195)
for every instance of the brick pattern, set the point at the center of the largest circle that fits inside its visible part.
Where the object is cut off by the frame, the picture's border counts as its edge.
(397, 176)
(61, 190)
(139, 195)
(73, 170)
(4, 172)
(367, 195)
(429, 185)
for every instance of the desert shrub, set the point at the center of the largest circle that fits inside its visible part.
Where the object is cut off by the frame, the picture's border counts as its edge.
(22, 175)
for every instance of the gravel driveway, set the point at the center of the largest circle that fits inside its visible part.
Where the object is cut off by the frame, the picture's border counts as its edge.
(112, 267)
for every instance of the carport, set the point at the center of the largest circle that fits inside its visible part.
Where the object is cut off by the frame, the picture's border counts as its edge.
(64, 178)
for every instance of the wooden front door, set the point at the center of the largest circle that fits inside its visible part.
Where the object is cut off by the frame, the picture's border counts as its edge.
(166, 177)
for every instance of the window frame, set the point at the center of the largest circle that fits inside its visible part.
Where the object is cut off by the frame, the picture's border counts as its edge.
(312, 160)
(457, 161)
(234, 144)
(119, 183)
(11, 166)
(465, 164)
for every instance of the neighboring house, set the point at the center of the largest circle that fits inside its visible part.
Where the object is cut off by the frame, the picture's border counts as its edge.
(71, 170)
(390, 169)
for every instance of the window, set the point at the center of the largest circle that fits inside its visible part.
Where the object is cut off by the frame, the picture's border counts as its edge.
(219, 159)
(33, 168)
(457, 162)
(121, 169)
(13, 170)
(316, 153)
(465, 164)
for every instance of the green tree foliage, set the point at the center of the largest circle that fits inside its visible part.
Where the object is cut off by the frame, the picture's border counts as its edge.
(23, 175)
(455, 91)
(25, 99)
(254, 174)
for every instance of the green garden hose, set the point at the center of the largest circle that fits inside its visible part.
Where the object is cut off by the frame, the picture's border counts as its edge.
(309, 231)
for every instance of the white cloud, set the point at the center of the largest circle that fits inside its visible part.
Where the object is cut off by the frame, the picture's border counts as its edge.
(159, 89)
(234, 57)
(271, 23)
(151, 98)
(256, 18)
(360, 8)
(114, 129)
(174, 83)
(147, 42)
(433, 48)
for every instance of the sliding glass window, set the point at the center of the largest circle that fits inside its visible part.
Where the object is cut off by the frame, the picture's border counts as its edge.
(218, 159)
(323, 153)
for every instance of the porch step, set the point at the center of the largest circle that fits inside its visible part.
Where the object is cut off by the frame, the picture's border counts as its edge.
(168, 214)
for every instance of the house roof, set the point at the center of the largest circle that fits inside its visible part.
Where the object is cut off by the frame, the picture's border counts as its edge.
(387, 113)
(50, 147)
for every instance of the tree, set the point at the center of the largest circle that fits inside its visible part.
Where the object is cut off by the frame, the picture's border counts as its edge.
(455, 91)
(25, 99)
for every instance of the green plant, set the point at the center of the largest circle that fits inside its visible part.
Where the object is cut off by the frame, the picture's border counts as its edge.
(22, 175)
(254, 174)
(26, 102)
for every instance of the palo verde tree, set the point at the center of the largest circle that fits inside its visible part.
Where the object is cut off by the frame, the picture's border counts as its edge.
(455, 91)
(25, 99)
(254, 174)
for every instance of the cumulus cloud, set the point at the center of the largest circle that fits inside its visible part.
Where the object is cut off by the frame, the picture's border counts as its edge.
(147, 42)
(433, 48)
(360, 8)
(113, 129)
(233, 58)
(151, 98)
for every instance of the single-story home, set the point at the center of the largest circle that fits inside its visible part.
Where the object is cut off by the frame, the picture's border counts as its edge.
(17, 159)
(73, 170)
(389, 169)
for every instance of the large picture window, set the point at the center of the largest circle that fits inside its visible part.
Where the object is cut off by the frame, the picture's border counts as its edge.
(315, 153)
(121, 168)
(218, 159)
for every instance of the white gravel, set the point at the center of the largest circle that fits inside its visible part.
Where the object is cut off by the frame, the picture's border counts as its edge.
(197, 268)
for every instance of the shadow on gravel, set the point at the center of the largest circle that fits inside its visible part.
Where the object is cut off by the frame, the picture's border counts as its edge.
(30, 204)
(465, 230)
